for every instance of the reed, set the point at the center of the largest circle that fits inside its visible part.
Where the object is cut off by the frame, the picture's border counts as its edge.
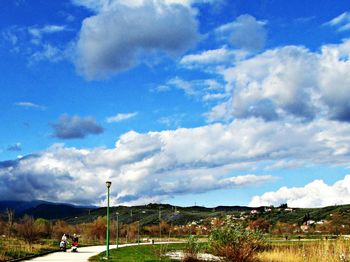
(317, 251)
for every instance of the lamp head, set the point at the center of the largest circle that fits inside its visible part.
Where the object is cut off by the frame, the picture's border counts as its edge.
(108, 184)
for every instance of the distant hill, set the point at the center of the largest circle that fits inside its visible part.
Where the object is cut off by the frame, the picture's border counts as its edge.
(44, 209)
(149, 214)
(19, 206)
(55, 211)
(176, 215)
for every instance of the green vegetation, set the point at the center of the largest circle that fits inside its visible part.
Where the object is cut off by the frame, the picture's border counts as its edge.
(278, 224)
(13, 248)
(235, 243)
(140, 253)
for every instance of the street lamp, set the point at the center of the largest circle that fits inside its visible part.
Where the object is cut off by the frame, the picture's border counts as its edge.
(138, 228)
(127, 227)
(160, 224)
(117, 228)
(108, 185)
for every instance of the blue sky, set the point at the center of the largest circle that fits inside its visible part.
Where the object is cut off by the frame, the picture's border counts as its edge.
(176, 101)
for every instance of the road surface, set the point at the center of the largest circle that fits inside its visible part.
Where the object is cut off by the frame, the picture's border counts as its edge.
(83, 254)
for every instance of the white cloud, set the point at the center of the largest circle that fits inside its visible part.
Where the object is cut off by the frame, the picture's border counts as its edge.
(245, 33)
(205, 89)
(289, 82)
(114, 40)
(172, 121)
(160, 164)
(220, 112)
(314, 194)
(48, 52)
(37, 32)
(216, 56)
(342, 22)
(36, 42)
(27, 105)
(120, 117)
(105, 5)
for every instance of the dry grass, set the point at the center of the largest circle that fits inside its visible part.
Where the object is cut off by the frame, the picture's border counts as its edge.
(318, 251)
(11, 248)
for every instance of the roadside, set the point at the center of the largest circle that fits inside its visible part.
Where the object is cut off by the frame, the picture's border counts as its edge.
(84, 253)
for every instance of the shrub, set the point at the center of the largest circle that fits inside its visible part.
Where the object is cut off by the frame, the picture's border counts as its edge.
(235, 243)
(191, 249)
(28, 230)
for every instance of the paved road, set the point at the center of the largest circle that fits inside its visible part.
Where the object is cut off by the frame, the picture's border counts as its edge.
(83, 254)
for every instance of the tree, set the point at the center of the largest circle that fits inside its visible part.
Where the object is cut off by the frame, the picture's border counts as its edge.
(27, 229)
(338, 223)
(260, 225)
(97, 229)
(60, 228)
(44, 227)
(10, 217)
(284, 205)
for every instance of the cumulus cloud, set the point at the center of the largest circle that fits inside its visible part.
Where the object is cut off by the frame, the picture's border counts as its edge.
(272, 81)
(159, 165)
(342, 22)
(69, 127)
(289, 82)
(114, 39)
(245, 33)
(315, 194)
(120, 117)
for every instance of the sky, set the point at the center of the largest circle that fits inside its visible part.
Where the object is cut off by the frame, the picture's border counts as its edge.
(186, 102)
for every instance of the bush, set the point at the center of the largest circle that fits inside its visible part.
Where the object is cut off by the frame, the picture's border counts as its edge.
(28, 230)
(235, 243)
(191, 249)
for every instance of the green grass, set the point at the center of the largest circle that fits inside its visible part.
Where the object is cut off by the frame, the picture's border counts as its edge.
(140, 253)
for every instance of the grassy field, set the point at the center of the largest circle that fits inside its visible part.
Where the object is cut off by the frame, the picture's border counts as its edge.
(311, 251)
(288, 251)
(140, 253)
(11, 248)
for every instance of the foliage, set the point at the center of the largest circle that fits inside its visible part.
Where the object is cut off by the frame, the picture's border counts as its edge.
(44, 227)
(28, 230)
(97, 229)
(236, 243)
(60, 228)
(284, 205)
(192, 249)
(260, 224)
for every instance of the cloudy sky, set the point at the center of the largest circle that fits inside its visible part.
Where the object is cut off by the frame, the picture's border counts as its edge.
(207, 102)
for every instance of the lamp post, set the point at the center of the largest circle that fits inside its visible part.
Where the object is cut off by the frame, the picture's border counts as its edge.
(127, 227)
(117, 226)
(108, 184)
(138, 228)
(160, 224)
